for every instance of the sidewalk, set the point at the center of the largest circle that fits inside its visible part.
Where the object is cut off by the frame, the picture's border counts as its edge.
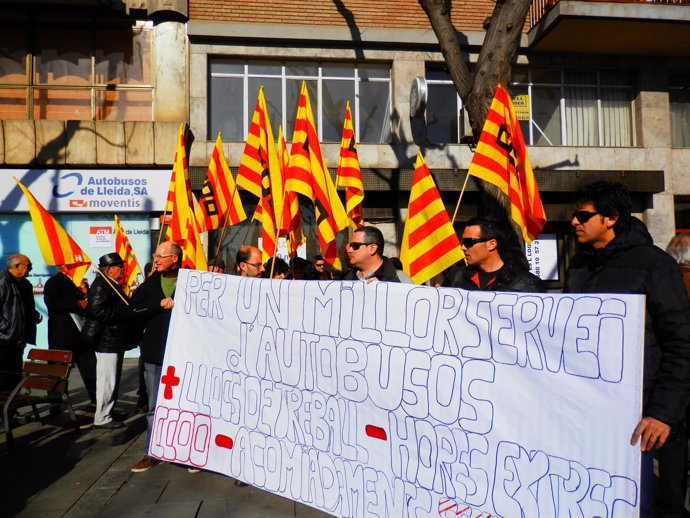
(56, 472)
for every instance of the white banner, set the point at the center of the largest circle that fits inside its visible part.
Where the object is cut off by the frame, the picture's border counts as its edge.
(87, 190)
(400, 400)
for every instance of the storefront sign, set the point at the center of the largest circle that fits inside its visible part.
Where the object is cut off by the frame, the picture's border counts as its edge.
(84, 190)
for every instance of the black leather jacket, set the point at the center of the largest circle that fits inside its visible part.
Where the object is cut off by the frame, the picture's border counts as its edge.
(108, 309)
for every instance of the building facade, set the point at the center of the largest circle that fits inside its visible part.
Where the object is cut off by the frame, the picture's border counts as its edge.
(601, 88)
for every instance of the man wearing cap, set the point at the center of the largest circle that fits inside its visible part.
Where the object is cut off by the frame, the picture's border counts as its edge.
(107, 316)
(152, 305)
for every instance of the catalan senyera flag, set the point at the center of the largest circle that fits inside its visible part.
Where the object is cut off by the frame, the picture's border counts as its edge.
(308, 175)
(124, 249)
(429, 243)
(292, 219)
(501, 159)
(260, 173)
(183, 227)
(349, 174)
(219, 204)
(57, 247)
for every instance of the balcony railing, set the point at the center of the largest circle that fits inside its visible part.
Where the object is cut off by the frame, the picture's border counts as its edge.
(540, 7)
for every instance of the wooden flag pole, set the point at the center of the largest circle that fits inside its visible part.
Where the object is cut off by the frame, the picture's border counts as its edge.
(462, 191)
(107, 280)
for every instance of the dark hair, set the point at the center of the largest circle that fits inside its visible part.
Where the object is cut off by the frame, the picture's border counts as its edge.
(243, 255)
(491, 229)
(318, 257)
(302, 269)
(609, 199)
(374, 236)
(280, 267)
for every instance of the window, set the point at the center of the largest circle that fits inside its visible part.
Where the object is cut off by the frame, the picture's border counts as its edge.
(234, 86)
(70, 66)
(574, 107)
(555, 107)
(679, 98)
(443, 109)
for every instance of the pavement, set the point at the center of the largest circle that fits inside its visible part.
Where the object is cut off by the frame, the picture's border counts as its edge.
(56, 471)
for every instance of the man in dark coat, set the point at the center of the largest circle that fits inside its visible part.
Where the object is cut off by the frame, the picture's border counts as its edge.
(152, 305)
(66, 304)
(18, 318)
(489, 266)
(365, 253)
(618, 256)
(107, 326)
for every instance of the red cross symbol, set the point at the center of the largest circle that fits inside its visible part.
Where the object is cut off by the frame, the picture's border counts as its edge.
(170, 381)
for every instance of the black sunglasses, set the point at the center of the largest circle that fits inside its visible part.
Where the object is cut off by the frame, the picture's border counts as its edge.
(356, 246)
(469, 242)
(583, 216)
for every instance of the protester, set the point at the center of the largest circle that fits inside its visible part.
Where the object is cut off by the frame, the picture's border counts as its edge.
(18, 318)
(489, 266)
(320, 268)
(365, 253)
(679, 249)
(301, 269)
(618, 256)
(66, 305)
(281, 270)
(152, 305)
(216, 265)
(106, 328)
(248, 262)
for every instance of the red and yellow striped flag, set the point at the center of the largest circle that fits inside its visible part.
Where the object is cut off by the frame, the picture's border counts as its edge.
(183, 227)
(308, 175)
(349, 174)
(124, 248)
(260, 174)
(292, 218)
(429, 243)
(220, 204)
(57, 247)
(501, 159)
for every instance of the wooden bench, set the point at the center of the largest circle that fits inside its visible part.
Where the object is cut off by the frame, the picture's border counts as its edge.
(45, 378)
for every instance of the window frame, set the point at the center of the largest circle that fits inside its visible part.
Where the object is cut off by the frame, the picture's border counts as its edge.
(249, 104)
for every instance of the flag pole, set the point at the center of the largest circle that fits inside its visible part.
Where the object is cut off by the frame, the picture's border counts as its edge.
(462, 191)
(225, 225)
(107, 280)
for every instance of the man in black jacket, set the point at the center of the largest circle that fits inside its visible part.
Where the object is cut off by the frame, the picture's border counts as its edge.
(107, 316)
(18, 318)
(618, 256)
(489, 266)
(365, 253)
(152, 304)
(66, 304)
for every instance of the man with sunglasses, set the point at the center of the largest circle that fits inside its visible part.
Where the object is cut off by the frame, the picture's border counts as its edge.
(490, 266)
(365, 253)
(618, 256)
(18, 318)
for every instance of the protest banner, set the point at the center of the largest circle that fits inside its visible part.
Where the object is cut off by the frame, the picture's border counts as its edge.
(396, 400)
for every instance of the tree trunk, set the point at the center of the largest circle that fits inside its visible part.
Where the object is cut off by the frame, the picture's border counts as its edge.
(495, 57)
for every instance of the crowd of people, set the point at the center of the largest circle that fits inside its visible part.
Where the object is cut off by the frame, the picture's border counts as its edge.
(616, 255)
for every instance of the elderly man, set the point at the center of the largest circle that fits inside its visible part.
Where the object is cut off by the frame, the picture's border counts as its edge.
(365, 252)
(106, 329)
(248, 262)
(489, 266)
(18, 318)
(618, 256)
(152, 304)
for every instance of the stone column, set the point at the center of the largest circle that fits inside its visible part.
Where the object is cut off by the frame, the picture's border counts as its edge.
(403, 73)
(170, 71)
